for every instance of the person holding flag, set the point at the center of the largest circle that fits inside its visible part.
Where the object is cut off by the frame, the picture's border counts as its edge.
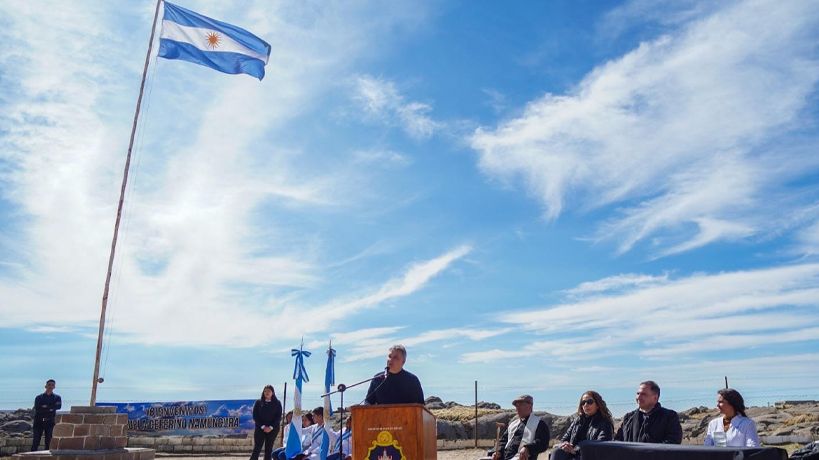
(346, 442)
(293, 447)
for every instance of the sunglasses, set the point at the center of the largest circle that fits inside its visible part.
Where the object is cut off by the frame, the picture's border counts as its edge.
(587, 402)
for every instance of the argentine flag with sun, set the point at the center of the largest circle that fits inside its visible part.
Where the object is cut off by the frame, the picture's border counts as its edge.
(199, 39)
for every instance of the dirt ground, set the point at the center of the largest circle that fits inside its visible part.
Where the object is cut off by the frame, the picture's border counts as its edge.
(459, 454)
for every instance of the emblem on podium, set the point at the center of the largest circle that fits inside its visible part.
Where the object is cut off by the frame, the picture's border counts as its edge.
(385, 448)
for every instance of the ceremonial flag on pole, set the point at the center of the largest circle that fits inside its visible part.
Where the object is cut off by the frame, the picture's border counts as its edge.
(325, 443)
(300, 375)
(329, 379)
(189, 36)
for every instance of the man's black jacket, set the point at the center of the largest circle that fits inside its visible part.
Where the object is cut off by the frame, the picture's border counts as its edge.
(660, 426)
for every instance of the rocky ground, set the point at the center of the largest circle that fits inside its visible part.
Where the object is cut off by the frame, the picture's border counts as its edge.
(456, 423)
(792, 419)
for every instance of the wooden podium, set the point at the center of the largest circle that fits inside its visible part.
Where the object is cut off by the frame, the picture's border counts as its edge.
(394, 431)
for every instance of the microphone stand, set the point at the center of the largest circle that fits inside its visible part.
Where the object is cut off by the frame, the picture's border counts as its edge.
(340, 389)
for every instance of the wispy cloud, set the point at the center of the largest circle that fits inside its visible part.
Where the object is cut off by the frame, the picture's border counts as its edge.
(381, 101)
(192, 251)
(686, 133)
(673, 317)
(377, 344)
(414, 278)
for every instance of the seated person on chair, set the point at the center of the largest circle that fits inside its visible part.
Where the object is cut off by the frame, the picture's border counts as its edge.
(317, 437)
(346, 443)
(650, 422)
(527, 435)
(593, 422)
(732, 428)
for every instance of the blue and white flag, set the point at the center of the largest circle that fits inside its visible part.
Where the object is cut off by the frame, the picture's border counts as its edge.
(329, 379)
(325, 445)
(300, 375)
(199, 39)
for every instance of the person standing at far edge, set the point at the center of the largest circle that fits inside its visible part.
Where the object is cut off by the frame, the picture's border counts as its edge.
(267, 415)
(651, 422)
(46, 406)
(732, 428)
(396, 386)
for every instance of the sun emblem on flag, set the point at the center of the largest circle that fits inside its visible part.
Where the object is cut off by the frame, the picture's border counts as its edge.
(213, 40)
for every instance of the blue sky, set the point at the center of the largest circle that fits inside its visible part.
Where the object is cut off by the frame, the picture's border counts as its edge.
(546, 197)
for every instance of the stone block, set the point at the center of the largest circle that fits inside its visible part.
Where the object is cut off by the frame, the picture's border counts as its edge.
(120, 442)
(175, 441)
(69, 418)
(70, 443)
(122, 419)
(64, 430)
(7, 450)
(183, 448)
(117, 430)
(162, 441)
(94, 419)
(198, 448)
(81, 430)
(91, 443)
(93, 409)
(99, 430)
(106, 442)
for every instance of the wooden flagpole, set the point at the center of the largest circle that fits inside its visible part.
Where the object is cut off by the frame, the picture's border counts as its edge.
(119, 212)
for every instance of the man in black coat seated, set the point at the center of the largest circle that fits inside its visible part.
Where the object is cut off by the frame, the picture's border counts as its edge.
(527, 435)
(396, 385)
(651, 422)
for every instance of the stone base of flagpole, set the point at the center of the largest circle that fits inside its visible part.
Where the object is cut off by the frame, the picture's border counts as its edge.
(90, 433)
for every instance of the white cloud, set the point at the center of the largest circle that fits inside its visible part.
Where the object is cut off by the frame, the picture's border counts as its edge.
(377, 345)
(616, 282)
(683, 133)
(672, 317)
(382, 157)
(414, 278)
(194, 266)
(381, 100)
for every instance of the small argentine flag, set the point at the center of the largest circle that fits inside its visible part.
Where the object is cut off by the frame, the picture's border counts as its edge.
(199, 39)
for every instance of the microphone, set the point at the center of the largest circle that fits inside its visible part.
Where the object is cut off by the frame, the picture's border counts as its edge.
(386, 372)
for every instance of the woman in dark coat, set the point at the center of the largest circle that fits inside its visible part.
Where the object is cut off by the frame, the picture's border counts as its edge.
(267, 415)
(593, 422)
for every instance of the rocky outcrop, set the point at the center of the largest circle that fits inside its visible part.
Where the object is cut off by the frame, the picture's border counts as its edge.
(794, 421)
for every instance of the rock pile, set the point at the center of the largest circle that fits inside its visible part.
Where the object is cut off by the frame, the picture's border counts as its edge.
(16, 423)
(791, 420)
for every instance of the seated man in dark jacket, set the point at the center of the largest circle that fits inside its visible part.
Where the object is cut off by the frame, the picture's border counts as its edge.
(527, 435)
(650, 422)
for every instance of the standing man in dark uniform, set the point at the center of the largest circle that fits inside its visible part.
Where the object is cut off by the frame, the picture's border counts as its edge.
(46, 406)
(396, 385)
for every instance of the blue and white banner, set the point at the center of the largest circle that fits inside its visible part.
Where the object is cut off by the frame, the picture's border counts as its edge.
(185, 418)
(293, 447)
(189, 36)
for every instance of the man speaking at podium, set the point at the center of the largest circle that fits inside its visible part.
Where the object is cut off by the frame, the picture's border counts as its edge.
(395, 385)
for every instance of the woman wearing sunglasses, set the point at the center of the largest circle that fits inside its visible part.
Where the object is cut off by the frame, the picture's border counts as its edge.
(593, 422)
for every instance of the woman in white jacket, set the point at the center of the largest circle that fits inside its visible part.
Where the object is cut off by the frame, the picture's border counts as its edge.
(733, 428)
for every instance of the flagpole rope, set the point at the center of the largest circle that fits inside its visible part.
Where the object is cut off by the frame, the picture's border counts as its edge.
(142, 128)
(95, 381)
